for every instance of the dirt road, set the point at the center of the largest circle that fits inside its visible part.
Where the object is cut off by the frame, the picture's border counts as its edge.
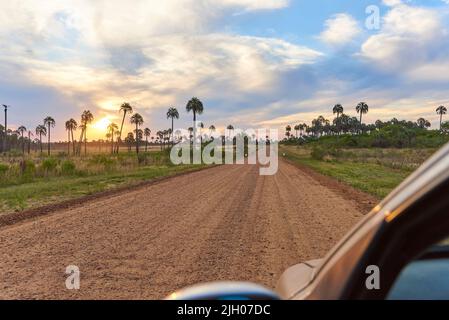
(224, 223)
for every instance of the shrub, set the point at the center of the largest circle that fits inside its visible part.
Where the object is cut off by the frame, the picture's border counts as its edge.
(100, 159)
(3, 168)
(143, 159)
(68, 167)
(49, 165)
(318, 153)
(28, 168)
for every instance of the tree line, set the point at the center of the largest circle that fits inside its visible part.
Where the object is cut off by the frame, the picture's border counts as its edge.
(345, 124)
(23, 136)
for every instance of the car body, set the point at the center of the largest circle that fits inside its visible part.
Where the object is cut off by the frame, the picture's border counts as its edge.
(400, 231)
(399, 239)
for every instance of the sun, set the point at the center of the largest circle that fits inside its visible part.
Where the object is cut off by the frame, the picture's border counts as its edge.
(102, 124)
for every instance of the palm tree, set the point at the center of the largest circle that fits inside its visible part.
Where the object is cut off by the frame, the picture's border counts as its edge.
(230, 128)
(108, 136)
(296, 130)
(138, 121)
(86, 118)
(6, 127)
(288, 129)
(22, 130)
(302, 127)
(112, 128)
(125, 108)
(441, 110)
(147, 133)
(423, 123)
(211, 130)
(138, 134)
(201, 125)
(173, 114)
(362, 108)
(29, 141)
(190, 129)
(160, 136)
(338, 110)
(71, 126)
(50, 123)
(67, 127)
(41, 130)
(196, 106)
(129, 140)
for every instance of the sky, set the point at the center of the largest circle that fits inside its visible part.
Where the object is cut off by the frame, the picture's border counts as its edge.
(253, 63)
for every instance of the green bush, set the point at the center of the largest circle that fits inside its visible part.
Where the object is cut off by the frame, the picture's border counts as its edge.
(105, 160)
(3, 168)
(318, 153)
(68, 167)
(28, 168)
(143, 159)
(389, 136)
(49, 165)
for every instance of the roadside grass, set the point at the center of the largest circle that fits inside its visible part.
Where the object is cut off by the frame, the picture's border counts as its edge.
(32, 181)
(46, 191)
(377, 179)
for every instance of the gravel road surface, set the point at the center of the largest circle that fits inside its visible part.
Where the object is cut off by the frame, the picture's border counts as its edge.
(223, 223)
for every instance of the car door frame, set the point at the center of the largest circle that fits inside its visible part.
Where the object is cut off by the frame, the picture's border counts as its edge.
(407, 233)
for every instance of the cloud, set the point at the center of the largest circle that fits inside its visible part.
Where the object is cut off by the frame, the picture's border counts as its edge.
(340, 29)
(100, 53)
(413, 41)
(80, 43)
(97, 54)
(251, 5)
(391, 3)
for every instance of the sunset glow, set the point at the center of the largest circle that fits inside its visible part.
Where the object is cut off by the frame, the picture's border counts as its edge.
(102, 125)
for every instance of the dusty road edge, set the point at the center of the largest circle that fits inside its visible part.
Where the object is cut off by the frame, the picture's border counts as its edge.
(364, 201)
(9, 219)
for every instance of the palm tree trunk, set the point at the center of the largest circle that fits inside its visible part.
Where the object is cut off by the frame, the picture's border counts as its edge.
(5, 141)
(23, 144)
(80, 143)
(73, 142)
(120, 135)
(112, 142)
(172, 133)
(441, 121)
(49, 139)
(85, 141)
(29, 142)
(360, 122)
(40, 142)
(137, 138)
(146, 143)
(194, 126)
(68, 142)
(338, 124)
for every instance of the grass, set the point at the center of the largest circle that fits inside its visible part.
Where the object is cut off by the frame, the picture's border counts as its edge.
(374, 178)
(34, 181)
(52, 190)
